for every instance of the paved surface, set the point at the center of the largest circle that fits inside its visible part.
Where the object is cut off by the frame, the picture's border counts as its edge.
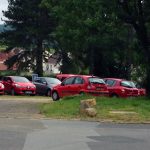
(19, 131)
(26, 134)
(21, 107)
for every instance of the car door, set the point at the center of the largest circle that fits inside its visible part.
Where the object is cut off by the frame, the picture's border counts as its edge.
(111, 85)
(41, 86)
(7, 81)
(67, 86)
(78, 85)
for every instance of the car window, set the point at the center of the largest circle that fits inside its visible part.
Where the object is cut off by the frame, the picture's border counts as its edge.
(7, 79)
(94, 80)
(43, 80)
(78, 80)
(53, 81)
(20, 79)
(128, 84)
(69, 81)
(110, 82)
(38, 81)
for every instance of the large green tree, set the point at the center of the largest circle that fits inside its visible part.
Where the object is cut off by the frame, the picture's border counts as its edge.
(137, 14)
(31, 25)
(91, 33)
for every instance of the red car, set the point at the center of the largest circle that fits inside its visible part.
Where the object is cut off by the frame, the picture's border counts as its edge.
(121, 88)
(1, 89)
(77, 84)
(18, 85)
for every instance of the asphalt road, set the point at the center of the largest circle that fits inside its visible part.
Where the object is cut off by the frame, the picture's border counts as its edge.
(29, 134)
(21, 128)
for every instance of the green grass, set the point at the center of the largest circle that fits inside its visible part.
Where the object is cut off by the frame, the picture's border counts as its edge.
(2, 47)
(108, 109)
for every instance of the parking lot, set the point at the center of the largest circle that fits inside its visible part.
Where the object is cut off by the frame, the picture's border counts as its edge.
(21, 106)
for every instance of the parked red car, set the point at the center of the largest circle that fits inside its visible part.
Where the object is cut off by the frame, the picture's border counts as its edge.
(121, 88)
(1, 89)
(77, 84)
(18, 85)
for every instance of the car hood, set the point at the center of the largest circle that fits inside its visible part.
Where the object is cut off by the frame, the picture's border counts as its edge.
(24, 84)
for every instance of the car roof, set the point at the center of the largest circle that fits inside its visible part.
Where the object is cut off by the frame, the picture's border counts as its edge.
(116, 79)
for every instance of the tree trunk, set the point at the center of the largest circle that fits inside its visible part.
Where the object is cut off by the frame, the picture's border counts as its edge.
(39, 58)
(91, 69)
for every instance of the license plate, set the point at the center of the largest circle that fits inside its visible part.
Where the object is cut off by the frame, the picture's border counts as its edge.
(98, 88)
(28, 92)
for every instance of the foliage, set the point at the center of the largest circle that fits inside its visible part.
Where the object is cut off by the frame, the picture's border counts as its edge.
(137, 14)
(94, 37)
(30, 25)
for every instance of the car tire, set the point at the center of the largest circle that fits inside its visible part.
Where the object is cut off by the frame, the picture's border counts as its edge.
(114, 96)
(55, 96)
(82, 93)
(48, 93)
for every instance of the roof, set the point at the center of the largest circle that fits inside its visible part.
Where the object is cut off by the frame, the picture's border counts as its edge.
(3, 57)
(117, 79)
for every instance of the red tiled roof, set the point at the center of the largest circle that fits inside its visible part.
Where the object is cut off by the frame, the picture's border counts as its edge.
(4, 56)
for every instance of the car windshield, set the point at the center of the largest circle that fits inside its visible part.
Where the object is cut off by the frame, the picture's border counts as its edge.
(20, 79)
(94, 80)
(53, 81)
(129, 84)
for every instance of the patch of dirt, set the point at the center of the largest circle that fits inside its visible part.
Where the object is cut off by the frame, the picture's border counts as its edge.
(21, 107)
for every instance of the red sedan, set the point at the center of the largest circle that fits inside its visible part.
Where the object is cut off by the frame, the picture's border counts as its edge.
(1, 89)
(18, 85)
(121, 88)
(77, 84)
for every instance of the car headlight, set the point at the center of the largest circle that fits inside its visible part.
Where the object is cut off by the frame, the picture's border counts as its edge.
(17, 86)
(123, 90)
(2, 86)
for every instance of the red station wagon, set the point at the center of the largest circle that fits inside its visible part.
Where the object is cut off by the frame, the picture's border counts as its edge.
(121, 88)
(77, 84)
(18, 85)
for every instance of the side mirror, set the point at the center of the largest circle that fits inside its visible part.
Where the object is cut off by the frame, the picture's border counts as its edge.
(44, 83)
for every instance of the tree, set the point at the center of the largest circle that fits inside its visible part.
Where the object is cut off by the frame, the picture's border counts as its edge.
(31, 24)
(137, 14)
(95, 38)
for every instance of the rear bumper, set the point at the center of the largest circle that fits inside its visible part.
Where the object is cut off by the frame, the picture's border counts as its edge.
(98, 93)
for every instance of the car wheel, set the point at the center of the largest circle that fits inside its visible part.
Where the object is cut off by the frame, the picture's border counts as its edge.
(48, 93)
(12, 92)
(114, 96)
(55, 96)
(82, 93)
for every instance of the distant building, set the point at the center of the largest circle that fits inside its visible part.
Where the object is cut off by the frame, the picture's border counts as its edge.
(52, 66)
(3, 57)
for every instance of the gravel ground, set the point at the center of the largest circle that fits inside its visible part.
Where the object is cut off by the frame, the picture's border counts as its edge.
(22, 106)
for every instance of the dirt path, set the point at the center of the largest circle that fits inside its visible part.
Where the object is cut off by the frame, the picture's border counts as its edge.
(22, 106)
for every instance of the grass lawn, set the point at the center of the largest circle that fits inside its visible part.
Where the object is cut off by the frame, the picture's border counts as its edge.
(131, 110)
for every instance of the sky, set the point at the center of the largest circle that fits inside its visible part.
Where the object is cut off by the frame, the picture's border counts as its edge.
(3, 6)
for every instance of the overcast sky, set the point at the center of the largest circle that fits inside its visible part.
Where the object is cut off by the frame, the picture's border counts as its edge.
(3, 6)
